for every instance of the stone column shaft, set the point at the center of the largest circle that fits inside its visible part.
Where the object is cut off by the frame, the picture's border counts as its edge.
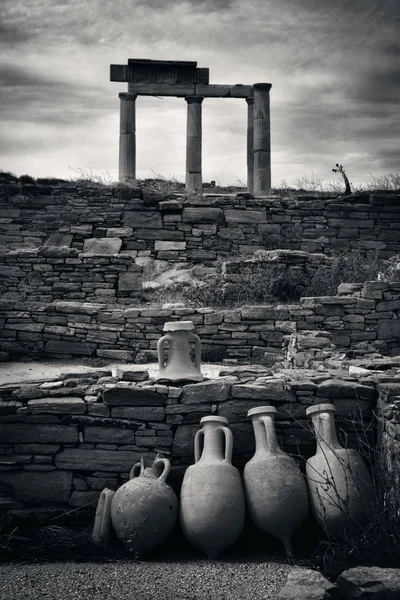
(193, 144)
(262, 140)
(250, 143)
(127, 138)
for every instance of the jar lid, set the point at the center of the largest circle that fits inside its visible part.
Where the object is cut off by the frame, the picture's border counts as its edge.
(262, 410)
(178, 326)
(317, 408)
(215, 419)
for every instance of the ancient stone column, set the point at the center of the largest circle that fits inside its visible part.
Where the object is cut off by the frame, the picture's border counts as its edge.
(193, 144)
(127, 138)
(262, 140)
(250, 143)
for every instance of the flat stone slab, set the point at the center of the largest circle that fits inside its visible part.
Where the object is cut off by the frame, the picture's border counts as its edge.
(306, 584)
(83, 459)
(207, 391)
(27, 433)
(40, 487)
(132, 396)
(67, 405)
(107, 245)
(370, 582)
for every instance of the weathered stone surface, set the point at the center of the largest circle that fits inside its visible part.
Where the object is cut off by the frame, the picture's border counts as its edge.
(202, 215)
(337, 388)
(143, 220)
(36, 487)
(128, 373)
(81, 459)
(33, 433)
(130, 282)
(109, 435)
(159, 245)
(63, 347)
(132, 396)
(207, 391)
(36, 448)
(66, 405)
(306, 584)
(107, 245)
(265, 313)
(370, 583)
(388, 328)
(140, 413)
(244, 216)
(266, 390)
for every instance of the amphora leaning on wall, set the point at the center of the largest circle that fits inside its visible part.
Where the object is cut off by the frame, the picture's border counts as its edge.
(341, 489)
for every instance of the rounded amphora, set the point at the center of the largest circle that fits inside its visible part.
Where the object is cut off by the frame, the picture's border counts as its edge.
(212, 509)
(144, 510)
(179, 365)
(341, 489)
(275, 489)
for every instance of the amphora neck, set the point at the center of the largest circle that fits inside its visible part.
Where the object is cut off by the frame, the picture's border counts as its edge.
(264, 433)
(213, 441)
(325, 431)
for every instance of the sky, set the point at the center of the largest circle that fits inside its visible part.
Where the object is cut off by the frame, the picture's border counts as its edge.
(334, 69)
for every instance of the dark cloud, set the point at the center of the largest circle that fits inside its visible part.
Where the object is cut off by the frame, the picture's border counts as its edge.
(196, 5)
(13, 34)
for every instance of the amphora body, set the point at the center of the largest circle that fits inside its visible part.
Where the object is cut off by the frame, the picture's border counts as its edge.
(276, 490)
(144, 510)
(340, 486)
(212, 500)
(179, 365)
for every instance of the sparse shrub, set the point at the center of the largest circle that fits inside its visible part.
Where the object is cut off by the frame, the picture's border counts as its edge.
(27, 179)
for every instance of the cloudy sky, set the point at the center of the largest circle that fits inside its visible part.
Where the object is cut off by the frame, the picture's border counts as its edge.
(334, 69)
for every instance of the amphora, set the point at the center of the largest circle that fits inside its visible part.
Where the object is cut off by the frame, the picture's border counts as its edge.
(341, 488)
(179, 365)
(144, 510)
(275, 489)
(212, 501)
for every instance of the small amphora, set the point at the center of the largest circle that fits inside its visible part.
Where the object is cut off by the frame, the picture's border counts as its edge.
(144, 509)
(179, 365)
(275, 489)
(341, 489)
(212, 500)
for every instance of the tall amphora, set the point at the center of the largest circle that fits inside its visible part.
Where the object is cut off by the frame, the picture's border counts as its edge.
(145, 508)
(179, 365)
(275, 489)
(341, 488)
(212, 501)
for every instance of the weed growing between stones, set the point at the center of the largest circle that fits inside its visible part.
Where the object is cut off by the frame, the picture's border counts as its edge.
(270, 283)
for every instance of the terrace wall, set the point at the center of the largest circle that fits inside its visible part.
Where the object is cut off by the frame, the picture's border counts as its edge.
(204, 229)
(362, 318)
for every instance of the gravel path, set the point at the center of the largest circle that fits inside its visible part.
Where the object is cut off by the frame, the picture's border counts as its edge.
(170, 580)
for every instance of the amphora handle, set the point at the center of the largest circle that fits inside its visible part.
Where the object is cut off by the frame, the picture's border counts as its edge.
(137, 469)
(198, 445)
(166, 468)
(197, 349)
(160, 351)
(228, 443)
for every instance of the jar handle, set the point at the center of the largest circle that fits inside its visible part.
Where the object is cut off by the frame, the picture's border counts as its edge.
(197, 349)
(166, 469)
(136, 469)
(228, 443)
(160, 352)
(198, 445)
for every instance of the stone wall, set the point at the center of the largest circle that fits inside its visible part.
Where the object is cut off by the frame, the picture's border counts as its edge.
(172, 227)
(362, 318)
(53, 273)
(63, 441)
